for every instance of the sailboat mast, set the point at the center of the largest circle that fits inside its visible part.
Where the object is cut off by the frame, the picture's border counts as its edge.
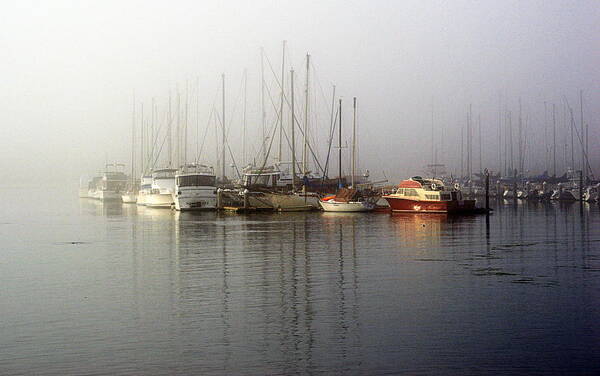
(583, 151)
(185, 123)
(223, 128)
(262, 104)
(244, 117)
(281, 104)
(305, 149)
(151, 157)
(340, 146)
(293, 133)
(169, 133)
(133, 143)
(353, 143)
(554, 139)
(142, 164)
(480, 159)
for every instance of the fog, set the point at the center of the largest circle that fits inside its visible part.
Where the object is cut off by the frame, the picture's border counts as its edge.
(70, 70)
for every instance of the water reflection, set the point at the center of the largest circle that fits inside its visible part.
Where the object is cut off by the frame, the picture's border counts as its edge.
(154, 291)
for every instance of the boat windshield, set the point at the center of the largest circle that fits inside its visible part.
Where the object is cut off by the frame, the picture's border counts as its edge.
(196, 180)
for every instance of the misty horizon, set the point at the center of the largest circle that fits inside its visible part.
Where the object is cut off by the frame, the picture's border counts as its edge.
(72, 70)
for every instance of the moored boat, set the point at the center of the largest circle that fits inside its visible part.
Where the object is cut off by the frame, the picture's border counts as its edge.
(348, 200)
(419, 195)
(163, 187)
(195, 188)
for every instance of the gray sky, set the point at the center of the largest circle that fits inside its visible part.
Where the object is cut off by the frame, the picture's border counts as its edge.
(69, 69)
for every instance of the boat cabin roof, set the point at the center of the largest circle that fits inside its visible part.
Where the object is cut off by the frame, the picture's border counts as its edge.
(419, 182)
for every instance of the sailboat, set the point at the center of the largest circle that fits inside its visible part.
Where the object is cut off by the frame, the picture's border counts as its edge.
(347, 199)
(131, 193)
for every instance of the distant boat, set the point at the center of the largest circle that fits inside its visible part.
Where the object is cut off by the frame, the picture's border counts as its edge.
(112, 183)
(419, 195)
(195, 188)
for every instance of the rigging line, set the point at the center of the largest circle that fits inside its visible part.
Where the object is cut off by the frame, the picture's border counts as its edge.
(330, 143)
(316, 79)
(579, 138)
(208, 125)
(205, 135)
(310, 148)
(154, 143)
(226, 142)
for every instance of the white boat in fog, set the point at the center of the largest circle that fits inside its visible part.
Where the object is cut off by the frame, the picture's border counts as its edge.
(162, 190)
(111, 184)
(144, 190)
(195, 188)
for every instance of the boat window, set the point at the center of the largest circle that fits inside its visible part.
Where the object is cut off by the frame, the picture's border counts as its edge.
(196, 180)
(400, 191)
(446, 196)
(410, 192)
(432, 197)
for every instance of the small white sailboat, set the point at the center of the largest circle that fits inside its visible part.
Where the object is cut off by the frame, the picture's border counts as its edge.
(348, 199)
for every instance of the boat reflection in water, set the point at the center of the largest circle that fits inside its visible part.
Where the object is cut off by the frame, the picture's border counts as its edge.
(418, 230)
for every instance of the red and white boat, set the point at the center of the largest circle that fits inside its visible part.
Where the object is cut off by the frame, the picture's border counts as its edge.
(419, 195)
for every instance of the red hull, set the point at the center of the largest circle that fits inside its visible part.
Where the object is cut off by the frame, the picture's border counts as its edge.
(413, 206)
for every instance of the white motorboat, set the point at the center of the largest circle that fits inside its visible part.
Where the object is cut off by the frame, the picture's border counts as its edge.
(163, 189)
(111, 184)
(195, 188)
(145, 189)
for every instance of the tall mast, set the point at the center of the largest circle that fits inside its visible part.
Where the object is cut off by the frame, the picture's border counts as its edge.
(462, 152)
(185, 124)
(262, 104)
(178, 129)
(133, 142)
(169, 133)
(244, 118)
(520, 166)
(305, 149)
(512, 166)
(142, 164)
(353, 143)
(340, 147)
(554, 140)
(151, 149)
(572, 141)
(281, 104)
(197, 157)
(480, 160)
(583, 151)
(293, 137)
(223, 129)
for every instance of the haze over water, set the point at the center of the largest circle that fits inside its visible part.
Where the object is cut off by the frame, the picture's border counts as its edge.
(89, 288)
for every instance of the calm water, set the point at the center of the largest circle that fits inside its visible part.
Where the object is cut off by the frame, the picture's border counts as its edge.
(88, 288)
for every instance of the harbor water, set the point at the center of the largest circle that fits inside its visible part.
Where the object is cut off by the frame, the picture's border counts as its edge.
(92, 288)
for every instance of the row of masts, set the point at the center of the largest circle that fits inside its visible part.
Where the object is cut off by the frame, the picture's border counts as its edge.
(514, 151)
(168, 128)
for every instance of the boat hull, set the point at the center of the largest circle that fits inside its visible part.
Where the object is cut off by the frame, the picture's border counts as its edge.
(346, 207)
(159, 200)
(196, 199)
(129, 198)
(416, 206)
(293, 201)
